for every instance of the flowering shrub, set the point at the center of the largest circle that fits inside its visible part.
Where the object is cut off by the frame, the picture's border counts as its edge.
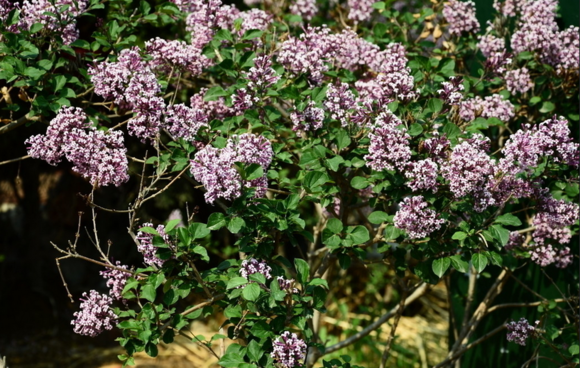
(376, 134)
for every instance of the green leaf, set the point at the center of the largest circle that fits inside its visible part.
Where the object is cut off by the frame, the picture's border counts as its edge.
(574, 349)
(198, 249)
(500, 233)
(149, 230)
(224, 35)
(34, 73)
(254, 171)
(334, 225)
(378, 217)
(151, 350)
(379, 6)
(451, 130)
(82, 44)
(302, 270)
(415, 129)
(342, 140)
(344, 261)
(435, 105)
(479, 261)
(13, 17)
(255, 351)
(459, 235)
(198, 230)
(314, 179)
(447, 67)
(547, 106)
(214, 93)
(235, 224)
(392, 232)
(171, 225)
(216, 221)
(358, 182)
(36, 27)
(231, 360)
(251, 292)
(315, 282)
(334, 163)
(440, 265)
(148, 292)
(459, 264)
(508, 219)
(236, 281)
(251, 34)
(359, 235)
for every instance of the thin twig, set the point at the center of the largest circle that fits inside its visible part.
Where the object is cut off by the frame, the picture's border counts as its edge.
(14, 160)
(386, 352)
(520, 305)
(15, 124)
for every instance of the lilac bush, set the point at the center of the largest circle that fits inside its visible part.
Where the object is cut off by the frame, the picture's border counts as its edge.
(328, 140)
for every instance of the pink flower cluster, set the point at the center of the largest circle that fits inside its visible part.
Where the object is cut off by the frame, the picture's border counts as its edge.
(469, 171)
(307, 9)
(212, 109)
(493, 106)
(360, 10)
(389, 148)
(289, 350)
(451, 91)
(96, 155)
(208, 16)
(116, 280)
(64, 23)
(95, 316)
(518, 80)
(252, 266)
(146, 246)
(261, 77)
(131, 84)
(537, 31)
(460, 16)
(422, 175)
(339, 100)
(416, 219)
(310, 119)
(520, 331)
(168, 54)
(214, 167)
(184, 122)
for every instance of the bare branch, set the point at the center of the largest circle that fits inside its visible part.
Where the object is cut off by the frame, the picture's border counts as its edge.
(14, 160)
(15, 124)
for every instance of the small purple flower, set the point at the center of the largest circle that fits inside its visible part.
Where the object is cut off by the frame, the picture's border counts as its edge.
(451, 91)
(339, 101)
(310, 119)
(252, 266)
(520, 331)
(287, 285)
(360, 10)
(289, 350)
(95, 316)
(422, 175)
(184, 122)
(116, 280)
(389, 148)
(167, 54)
(307, 9)
(146, 246)
(416, 219)
(518, 80)
(460, 16)
(516, 240)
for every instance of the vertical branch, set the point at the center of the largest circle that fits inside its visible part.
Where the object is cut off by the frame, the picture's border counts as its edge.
(387, 351)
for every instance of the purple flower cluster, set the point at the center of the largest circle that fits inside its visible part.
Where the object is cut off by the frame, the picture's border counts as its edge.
(493, 106)
(518, 80)
(516, 240)
(389, 148)
(437, 148)
(416, 219)
(360, 10)
(460, 16)
(63, 22)
(490, 45)
(451, 91)
(215, 169)
(308, 53)
(116, 280)
(146, 246)
(168, 54)
(184, 122)
(95, 155)
(545, 255)
(289, 350)
(131, 84)
(287, 285)
(339, 100)
(261, 77)
(95, 316)
(310, 119)
(212, 109)
(553, 219)
(252, 266)
(520, 331)
(537, 31)
(207, 16)
(307, 9)
(508, 8)
(469, 171)
(422, 175)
